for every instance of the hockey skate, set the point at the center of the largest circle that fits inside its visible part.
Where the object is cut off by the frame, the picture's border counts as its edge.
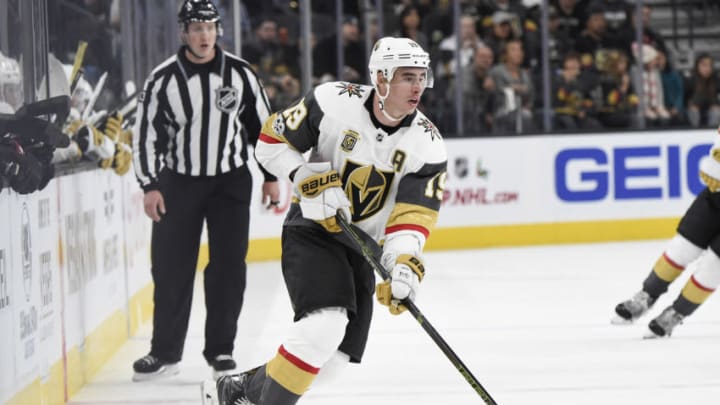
(150, 367)
(231, 389)
(632, 309)
(663, 324)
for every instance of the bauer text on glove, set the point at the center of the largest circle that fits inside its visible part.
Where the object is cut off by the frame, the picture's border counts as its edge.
(321, 194)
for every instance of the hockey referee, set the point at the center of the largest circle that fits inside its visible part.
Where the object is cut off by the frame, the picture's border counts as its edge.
(197, 113)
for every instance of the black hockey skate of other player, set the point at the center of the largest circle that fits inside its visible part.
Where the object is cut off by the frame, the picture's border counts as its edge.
(697, 238)
(374, 156)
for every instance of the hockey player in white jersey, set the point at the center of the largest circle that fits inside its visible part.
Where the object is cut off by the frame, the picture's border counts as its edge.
(380, 161)
(697, 238)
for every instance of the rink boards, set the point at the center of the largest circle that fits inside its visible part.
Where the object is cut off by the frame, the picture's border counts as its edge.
(74, 258)
(550, 189)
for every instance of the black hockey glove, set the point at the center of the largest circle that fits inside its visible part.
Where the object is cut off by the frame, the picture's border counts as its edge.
(29, 176)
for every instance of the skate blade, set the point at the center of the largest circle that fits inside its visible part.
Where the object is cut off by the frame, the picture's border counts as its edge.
(619, 320)
(208, 391)
(652, 335)
(166, 371)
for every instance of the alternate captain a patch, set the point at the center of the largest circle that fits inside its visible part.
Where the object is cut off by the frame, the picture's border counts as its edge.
(429, 127)
(226, 99)
(351, 89)
(350, 140)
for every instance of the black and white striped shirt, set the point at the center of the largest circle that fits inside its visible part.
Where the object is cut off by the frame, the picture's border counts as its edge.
(197, 119)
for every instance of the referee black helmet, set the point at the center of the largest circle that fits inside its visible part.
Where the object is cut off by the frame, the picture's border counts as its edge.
(199, 10)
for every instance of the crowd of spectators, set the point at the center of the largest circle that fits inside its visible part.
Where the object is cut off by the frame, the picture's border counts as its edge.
(595, 71)
(597, 78)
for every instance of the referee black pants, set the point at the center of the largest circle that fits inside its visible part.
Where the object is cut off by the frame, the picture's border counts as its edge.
(224, 202)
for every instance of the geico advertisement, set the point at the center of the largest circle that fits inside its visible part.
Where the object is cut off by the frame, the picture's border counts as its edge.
(540, 179)
(572, 178)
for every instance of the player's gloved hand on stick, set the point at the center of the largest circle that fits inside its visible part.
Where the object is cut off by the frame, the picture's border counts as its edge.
(113, 126)
(405, 276)
(321, 194)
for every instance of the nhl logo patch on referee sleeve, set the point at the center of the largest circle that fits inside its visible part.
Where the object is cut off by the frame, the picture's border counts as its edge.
(226, 99)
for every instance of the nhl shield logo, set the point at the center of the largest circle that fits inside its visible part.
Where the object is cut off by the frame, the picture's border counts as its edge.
(226, 99)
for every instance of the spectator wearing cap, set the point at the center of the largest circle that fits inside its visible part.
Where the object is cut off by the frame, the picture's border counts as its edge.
(325, 56)
(646, 74)
(487, 9)
(502, 31)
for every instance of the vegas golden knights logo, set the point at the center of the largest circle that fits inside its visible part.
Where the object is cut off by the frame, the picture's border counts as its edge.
(350, 139)
(367, 188)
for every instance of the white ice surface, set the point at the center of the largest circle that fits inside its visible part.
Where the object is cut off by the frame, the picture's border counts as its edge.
(532, 324)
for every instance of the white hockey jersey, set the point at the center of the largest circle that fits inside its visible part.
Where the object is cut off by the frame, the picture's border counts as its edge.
(710, 168)
(393, 177)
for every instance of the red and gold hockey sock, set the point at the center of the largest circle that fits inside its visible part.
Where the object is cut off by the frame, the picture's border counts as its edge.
(666, 269)
(291, 372)
(691, 296)
(664, 272)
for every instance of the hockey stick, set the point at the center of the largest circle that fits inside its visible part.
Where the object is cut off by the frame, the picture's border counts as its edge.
(76, 71)
(413, 309)
(95, 94)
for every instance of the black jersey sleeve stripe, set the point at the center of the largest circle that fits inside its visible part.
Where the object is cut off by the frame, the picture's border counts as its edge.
(163, 122)
(224, 120)
(204, 123)
(249, 115)
(187, 107)
(164, 117)
(145, 177)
